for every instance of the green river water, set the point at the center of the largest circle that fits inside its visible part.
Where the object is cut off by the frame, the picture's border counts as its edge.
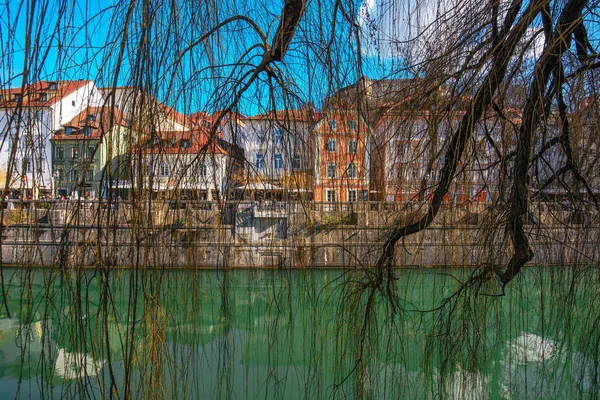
(311, 334)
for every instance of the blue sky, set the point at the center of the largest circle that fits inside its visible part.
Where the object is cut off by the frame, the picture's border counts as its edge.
(81, 40)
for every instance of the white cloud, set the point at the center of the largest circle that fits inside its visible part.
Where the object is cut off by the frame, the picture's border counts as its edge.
(415, 29)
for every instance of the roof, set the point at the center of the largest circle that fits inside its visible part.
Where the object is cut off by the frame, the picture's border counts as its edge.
(342, 119)
(206, 120)
(381, 90)
(285, 115)
(33, 94)
(105, 119)
(193, 141)
(144, 103)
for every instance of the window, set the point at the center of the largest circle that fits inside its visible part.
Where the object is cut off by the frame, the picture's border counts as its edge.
(202, 170)
(297, 162)
(75, 153)
(332, 124)
(60, 174)
(352, 196)
(27, 165)
(185, 144)
(278, 161)
(352, 146)
(87, 131)
(91, 117)
(363, 195)
(401, 150)
(352, 124)
(90, 151)
(16, 97)
(74, 175)
(163, 169)
(277, 137)
(59, 153)
(259, 161)
(43, 97)
(401, 174)
(68, 130)
(52, 86)
(149, 169)
(1, 98)
(415, 174)
(89, 175)
(352, 170)
(331, 145)
(73, 103)
(330, 196)
(331, 170)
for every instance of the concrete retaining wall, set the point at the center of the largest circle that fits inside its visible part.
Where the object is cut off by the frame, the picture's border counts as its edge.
(341, 246)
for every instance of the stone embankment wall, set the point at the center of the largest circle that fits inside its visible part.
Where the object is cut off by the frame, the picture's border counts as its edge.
(295, 236)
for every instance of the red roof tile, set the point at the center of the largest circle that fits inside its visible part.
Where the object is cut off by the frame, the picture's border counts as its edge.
(172, 142)
(33, 94)
(105, 120)
(301, 115)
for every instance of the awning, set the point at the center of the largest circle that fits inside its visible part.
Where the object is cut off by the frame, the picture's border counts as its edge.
(120, 185)
(259, 186)
(300, 190)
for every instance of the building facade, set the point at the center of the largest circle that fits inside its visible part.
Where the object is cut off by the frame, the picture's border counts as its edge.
(342, 147)
(184, 165)
(83, 149)
(29, 116)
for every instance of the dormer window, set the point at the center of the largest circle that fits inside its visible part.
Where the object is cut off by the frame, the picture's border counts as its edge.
(52, 86)
(185, 144)
(16, 97)
(332, 124)
(68, 130)
(91, 117)
(43, 97)
(87, 131)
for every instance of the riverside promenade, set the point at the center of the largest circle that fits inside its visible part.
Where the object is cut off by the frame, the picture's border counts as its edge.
(242, 234)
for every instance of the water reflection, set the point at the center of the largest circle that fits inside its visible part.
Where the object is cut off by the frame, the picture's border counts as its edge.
(293, 334)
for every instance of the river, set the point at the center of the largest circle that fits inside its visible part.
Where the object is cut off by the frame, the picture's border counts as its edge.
(298, 334)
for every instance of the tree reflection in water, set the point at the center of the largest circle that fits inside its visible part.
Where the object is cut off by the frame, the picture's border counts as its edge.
(293, 334)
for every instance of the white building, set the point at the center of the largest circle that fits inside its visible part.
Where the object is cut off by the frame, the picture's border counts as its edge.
(29, 117)
(185, 164)
(277, 144)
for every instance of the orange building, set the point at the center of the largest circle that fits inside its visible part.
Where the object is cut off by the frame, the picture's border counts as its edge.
(342, 157)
